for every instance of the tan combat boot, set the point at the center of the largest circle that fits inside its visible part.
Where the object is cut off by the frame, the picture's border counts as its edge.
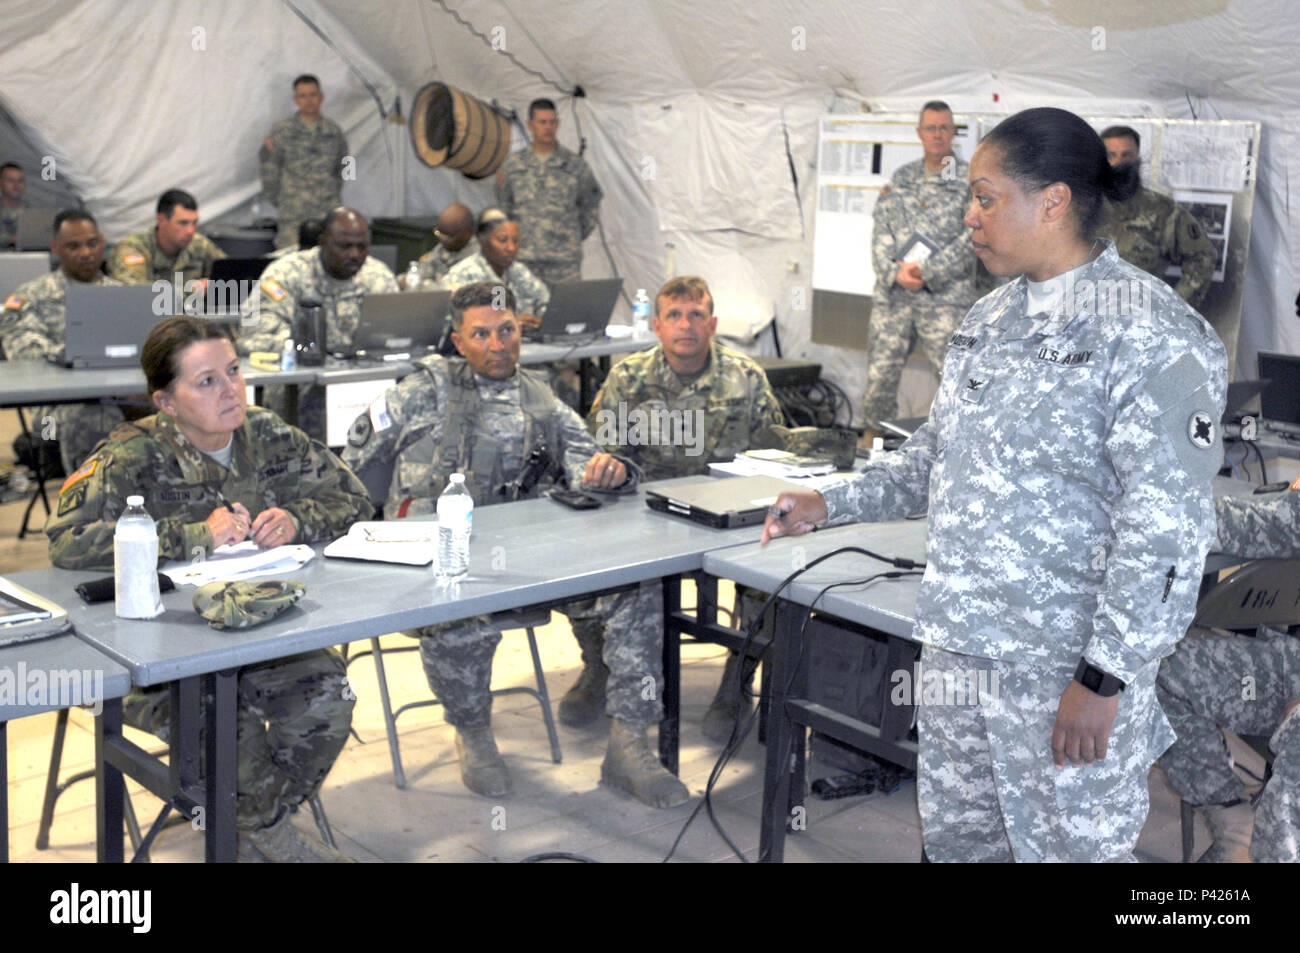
(481, 766)
(585, 701)
(282, 843)
(720, 719)
(630, 766)
(1232, 826)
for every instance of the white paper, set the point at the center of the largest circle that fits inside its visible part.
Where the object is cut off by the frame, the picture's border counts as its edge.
(241, 561)
(1207, 156)
(408, 542)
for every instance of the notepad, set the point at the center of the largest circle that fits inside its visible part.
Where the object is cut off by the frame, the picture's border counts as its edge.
(241, 561)
(408, 542)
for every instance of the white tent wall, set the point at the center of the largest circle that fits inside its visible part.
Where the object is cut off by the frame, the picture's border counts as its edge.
(680, 117)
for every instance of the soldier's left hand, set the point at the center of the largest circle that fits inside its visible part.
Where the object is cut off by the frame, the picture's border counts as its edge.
(1083, 723)
(272, 528)
(530, 320)
(604, 472)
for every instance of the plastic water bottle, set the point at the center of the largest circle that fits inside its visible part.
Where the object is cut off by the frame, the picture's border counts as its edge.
(641, 313)
(455, 521)
(135, 563)
(413, 276)
(288, 356)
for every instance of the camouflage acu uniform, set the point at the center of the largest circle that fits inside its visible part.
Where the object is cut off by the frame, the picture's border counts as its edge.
(437, 261)
(303, 174)
(531, 295)
(9, 225)
(269, 315)
(137, 259)
(733, 409)
(933, 205)
(1153, 231)
(1066, 469)
(1201, 687)
(556, 201)
(294, 713)
(34, 329)
(443, 419)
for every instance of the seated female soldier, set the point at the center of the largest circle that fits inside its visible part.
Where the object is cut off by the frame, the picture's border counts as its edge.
(214, 471)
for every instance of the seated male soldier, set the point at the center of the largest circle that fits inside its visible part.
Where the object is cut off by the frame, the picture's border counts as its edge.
(482, 415)
(34, 326)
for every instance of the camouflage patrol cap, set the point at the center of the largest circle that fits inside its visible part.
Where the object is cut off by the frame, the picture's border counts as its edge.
(241, 605)
(837, 443)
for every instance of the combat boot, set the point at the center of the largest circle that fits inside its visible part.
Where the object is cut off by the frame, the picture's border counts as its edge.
(481, 766)
(282, 843)
(1232, 825)
(727, 704)
(585, 701)
(630, 766)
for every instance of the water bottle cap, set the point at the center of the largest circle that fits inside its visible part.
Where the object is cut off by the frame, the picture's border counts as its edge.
(135, 501)
(455, 478)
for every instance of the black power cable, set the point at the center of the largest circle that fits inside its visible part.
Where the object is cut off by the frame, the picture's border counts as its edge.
(739, 731)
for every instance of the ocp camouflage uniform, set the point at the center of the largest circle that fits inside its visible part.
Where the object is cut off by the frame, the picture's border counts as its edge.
(932, 204)
(294, 713)
(437, 261)
(444, 419)
(137, 260)
(269, 314)
(1201, 687)
(35, 328)
(732, 409)
(302, 175)
(531, 295)
(556, 200)
(1066, 469)
(1153, 231)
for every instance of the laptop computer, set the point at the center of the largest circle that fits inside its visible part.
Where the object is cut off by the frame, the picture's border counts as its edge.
(1279, 404)
(106, 327)
(579, 310)
(721, 503)
(35, 229)
(19, 268)
(1240, 393)
(238, 269)
(387, 254)
(407, 322)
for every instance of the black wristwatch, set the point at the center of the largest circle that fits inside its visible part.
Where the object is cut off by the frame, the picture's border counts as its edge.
(1096, 681)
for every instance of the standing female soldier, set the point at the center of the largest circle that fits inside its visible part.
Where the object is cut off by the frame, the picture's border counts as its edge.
(1066, 469)
(214, 471)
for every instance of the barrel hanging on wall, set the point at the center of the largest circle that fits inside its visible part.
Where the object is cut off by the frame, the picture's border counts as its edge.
(452, 128)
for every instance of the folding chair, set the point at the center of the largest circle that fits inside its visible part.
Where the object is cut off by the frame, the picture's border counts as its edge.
(377, 478)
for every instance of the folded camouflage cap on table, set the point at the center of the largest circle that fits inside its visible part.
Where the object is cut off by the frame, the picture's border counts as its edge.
(241, 605)
(836, 443)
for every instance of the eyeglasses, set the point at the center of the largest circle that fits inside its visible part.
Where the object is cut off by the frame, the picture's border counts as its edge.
(933, 129)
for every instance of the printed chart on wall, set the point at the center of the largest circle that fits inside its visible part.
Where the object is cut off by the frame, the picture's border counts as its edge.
(856, 155)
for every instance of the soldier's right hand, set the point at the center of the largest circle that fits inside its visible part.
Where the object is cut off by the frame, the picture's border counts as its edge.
(229, 525)
(794, 514)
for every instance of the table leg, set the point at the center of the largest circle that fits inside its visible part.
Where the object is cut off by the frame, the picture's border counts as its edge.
(670, 726)
(221, 762)
(110, 790)
(291, 406)
(777, 770)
